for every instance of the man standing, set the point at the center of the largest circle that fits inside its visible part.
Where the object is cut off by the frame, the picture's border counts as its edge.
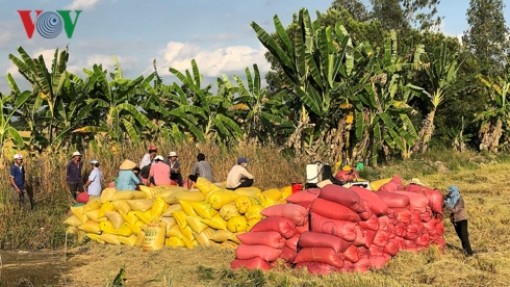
(17, 180)
(74, 177)
(145, 163)
(93, 186)
(239, 175)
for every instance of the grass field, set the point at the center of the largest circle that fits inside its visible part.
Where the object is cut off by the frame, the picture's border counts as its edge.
(483, 180)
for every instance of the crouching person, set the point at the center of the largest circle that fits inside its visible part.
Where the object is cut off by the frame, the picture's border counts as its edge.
(239, 175)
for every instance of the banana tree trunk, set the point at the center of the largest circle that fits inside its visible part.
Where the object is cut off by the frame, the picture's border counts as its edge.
(490, 134)
(426, 132)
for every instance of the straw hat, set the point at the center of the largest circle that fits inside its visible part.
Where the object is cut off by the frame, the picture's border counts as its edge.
(127, 164)
(18, 156)
(417, 181)
(76, 153)
(172, 153)
(159, 157)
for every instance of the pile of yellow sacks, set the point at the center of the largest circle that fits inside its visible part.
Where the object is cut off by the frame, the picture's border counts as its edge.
(173, 216)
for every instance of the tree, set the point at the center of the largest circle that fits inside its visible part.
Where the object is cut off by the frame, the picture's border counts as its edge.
(404, 14)
(487, 36)
(355, 7)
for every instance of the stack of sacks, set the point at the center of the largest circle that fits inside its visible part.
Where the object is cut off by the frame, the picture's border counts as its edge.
(173, 216)
(355, 229)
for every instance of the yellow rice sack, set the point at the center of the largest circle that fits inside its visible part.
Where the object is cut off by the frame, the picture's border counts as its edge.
(122, 206)
(180, 218)
(107, 206)
(228, 245)
(273, 193)
(216, 222)
(174, 242)
(137, 195)
(140, 239)
(145, 217)
(251, 191)
(115, 218)
(286, 191)
(243, 203)
(202, 239)
(147, 191)
(154, 237)
(174, 231)
(130, 217)
(169, 223)
(90, 227)
(72, 230)
(192, 196)
(187, 233)
(187, 207)
(221, 235)
(204, 209)
(205, 186)
(121, 195)
(123, 230)
(196, 224)
(376, 184)
(140, 204)
(228, 211)
(94, 203)
(110, 238)
(169, 211)
(266, 201)
(220, 197)
(190, 244)
(107, 194)
(95, 237)
(73, 221)
(128, 240)
(237, 224)
(106, 227)
(254, 212)
(79, 212)
(158, 207)
(251, 222)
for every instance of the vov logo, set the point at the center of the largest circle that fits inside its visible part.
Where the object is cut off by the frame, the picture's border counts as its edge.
(49, 24)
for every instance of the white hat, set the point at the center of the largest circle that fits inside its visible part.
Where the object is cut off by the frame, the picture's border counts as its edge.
(158, 157)
(76, 153)
(172, 153)
(94, 161)
(18, 156)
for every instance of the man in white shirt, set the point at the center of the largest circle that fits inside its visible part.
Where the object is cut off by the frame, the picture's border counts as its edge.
(239, 175)
(93, 186)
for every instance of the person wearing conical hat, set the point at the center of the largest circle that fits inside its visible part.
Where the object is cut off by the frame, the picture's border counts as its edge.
(127, 180)
(74, 176)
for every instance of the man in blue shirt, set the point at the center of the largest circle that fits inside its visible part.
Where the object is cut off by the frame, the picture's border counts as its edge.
(74, 176)
(17, 180)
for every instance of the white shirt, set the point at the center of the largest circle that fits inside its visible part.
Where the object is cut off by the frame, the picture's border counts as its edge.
(96, 177)
(236, 174)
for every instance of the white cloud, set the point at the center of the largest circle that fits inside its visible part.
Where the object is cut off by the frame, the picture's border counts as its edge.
(82, 4)
(212, 63)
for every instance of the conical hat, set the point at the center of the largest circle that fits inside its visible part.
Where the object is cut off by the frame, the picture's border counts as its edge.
(127, 164)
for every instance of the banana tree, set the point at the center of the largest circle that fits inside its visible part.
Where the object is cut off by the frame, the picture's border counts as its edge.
(46, 83)
(441, 73)
(495, 119)
(10, 106)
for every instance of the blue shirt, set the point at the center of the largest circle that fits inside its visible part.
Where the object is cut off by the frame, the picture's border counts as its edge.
(74, 172)
(18, 173)
(126, 180)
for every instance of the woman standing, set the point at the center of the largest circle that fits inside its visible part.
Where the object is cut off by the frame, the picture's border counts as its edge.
(458, 216)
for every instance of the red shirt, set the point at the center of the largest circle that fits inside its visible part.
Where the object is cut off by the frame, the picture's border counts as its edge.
(161, 173)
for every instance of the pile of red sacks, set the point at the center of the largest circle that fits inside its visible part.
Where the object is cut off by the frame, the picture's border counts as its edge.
(338, 229)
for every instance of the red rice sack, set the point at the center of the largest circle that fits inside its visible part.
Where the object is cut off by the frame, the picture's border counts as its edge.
(392, 247)
(365, 215)
(282, 225)
(378, 262)
(341, 228)
(371, 224)
(413, 231)
(319, 254)
(305, 197)
(334, 210)
(393, 185)
(381, 238)
(400, 229)
(403, 215)
(376, 204)
(292, 242)
(426, 215)
(315, 239)
(269, 238)
(351, 254)
(384, 223)
(361, 239)
(423, 240)
(363, 252)
(435, 198)
(348, 266)
(343, 196)
(317, 267)
(394, 200)
(294, 212)
(417, 201)
(363, 265)
(254, 263)
(376, 250)
(369, 235)
(305, 227)
(288, 254)
(267, 253)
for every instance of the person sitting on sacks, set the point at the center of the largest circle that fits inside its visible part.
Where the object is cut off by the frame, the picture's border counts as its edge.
(201, 168)
(127, 180)
(146, 162)
(160, 172)
(239, 175)
(454, 203)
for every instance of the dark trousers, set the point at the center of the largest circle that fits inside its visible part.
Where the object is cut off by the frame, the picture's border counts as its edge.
(247, 182)
(193, 177)
(461, 227)
(177, 177)
(75, 188)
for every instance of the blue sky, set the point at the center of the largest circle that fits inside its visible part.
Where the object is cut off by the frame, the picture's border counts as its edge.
(216, 33)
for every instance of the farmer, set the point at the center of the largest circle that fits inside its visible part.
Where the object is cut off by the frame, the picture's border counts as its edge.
(201, 168)
(17, 180)
(160, 172)
(93, 186)
(74, 175)
(127, 180)
(458, 216)
(145, 163)
(175, 168)
(239, 175)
